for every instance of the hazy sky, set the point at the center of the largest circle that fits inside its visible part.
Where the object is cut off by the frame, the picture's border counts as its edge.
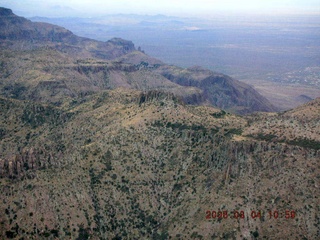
(169, 7)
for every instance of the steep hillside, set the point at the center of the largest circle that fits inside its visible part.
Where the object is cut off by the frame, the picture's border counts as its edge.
(220, 90)
(300, 126)
(48, 75)
(38, 48)
(106, 147)
(126, 164)
(19, 33)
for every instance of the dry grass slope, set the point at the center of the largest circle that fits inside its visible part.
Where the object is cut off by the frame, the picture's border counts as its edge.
(102, 145)
(132, 165)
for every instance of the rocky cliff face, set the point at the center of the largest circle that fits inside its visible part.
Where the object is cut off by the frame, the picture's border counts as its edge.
(130, 68)
(47, 75)
(220, 90)
(21, 34)
(24, 164)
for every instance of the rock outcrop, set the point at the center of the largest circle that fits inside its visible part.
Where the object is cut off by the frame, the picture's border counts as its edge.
(220, 90)
(129, 68)
(19, 33)
(26, 163)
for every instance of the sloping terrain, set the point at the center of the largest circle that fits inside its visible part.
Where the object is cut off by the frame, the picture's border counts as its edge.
(220, 90)
(19, 33)
(108, 149)
(300, 126)
(50, 55)
(122, 164)
(47, 75)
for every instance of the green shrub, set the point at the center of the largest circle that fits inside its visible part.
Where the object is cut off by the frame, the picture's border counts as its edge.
(220, 114)
(307, 143)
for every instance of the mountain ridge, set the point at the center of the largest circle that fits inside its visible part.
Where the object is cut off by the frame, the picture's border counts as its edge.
(20, 34)
(17, 29)
(123, 164)
(93, 148)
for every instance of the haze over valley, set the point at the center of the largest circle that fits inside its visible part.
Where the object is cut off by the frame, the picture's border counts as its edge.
(279, 55)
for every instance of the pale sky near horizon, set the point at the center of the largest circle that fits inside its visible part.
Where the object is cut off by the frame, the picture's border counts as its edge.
(52, 8)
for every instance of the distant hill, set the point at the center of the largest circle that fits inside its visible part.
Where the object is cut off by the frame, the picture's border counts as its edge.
(220, 90)
(122, 66)
(303, 98)
(18, 33)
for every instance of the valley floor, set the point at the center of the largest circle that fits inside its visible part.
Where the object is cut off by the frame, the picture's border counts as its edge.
(284, 96)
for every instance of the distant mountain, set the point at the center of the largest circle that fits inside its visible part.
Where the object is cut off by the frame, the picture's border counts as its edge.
(82, 61)
(303, 98)
(216, 89)
(18, 33)
(116, 19)
(220, 90)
